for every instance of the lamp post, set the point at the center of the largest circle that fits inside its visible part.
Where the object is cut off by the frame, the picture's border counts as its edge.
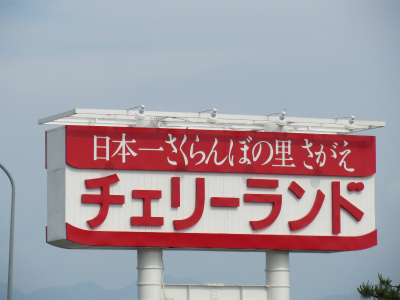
(11, 249)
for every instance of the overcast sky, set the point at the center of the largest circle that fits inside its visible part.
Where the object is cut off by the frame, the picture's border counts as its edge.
(321, 59)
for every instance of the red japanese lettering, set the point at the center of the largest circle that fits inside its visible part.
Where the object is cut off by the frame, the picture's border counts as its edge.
(338, 202)
(262, 183)
(175, 192)
(298, 191)
(355, 186)
(146, 219)
(104, 199)
(199, 208)
(224, 201)
(276, 201)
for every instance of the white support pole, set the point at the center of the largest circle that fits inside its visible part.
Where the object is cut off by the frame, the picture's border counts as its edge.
(150, 272)
(277, 275)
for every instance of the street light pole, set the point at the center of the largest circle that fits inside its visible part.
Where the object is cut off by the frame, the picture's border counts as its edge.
(11, 249)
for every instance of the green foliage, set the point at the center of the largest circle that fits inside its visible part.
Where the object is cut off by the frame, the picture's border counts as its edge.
(383, 290)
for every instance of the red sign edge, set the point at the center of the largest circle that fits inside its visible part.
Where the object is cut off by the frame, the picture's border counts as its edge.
(79, 238)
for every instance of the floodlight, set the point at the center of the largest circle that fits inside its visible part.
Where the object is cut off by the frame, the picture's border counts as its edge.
(350, 123)
(140, 113)
(212, 118)
(281, 121)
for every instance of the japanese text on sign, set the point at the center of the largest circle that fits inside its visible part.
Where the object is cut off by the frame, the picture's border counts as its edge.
(239, 152)
(105, 199)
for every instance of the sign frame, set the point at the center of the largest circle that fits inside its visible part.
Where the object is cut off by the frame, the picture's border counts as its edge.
(63, 234)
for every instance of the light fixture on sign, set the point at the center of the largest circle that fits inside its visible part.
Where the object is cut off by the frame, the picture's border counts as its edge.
(212, 118)
(350, 123)
(281, 121)
(140, 113)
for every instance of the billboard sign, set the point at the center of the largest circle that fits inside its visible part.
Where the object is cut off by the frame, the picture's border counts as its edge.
(113, 187)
